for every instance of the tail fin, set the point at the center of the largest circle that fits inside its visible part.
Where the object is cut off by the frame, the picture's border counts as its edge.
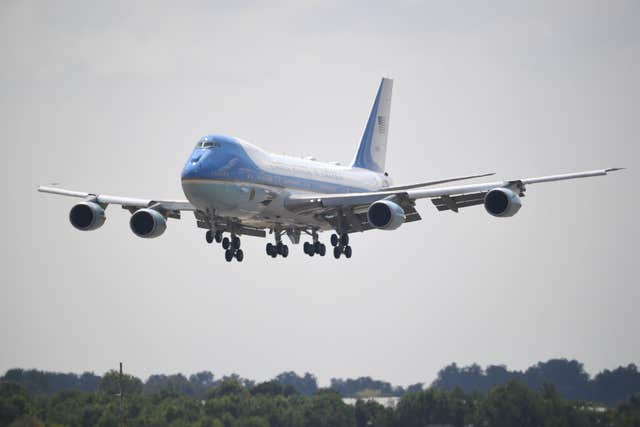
(373, 147)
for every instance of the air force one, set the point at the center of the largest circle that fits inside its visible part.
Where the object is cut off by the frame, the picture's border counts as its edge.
(234, 187)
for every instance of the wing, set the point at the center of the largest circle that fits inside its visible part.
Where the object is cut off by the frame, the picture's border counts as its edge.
(441, 181)
(348, 211)
(171, 208)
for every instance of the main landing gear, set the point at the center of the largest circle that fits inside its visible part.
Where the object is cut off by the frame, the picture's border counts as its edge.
(231, 246)
(315, 247)
(341, 245)
(279, 248)
(211, 236)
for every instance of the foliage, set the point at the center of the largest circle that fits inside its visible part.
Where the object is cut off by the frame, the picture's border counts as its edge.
(306, 385)
(271, 404)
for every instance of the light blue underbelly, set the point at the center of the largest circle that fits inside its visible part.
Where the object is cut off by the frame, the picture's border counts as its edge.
(227, 198)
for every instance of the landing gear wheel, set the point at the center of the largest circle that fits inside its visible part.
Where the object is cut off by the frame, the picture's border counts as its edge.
(334, 240)
(218, 236)
(344, 239)
(337, 252)
(239, 255)
(235, 242)
(209, 237)
(284, 251)
(269, 249)
(307, 248)
(323, 249)
(228, 255)
(347, 251)
(225, 243)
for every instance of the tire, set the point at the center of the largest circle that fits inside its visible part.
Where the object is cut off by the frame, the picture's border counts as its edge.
(279, 246)
(285, 251)
(209, 237)
(218, 236)
(347, 251)
(268, 248)
(306, 247)
(225, 243)
(316, 247)
(228, 255)
(344, 239)
(239, 255)
(334, 240)
(235, 243)
(323, 249)
(336, 252)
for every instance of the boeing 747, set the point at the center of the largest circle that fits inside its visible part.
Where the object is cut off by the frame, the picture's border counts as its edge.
(235, 188)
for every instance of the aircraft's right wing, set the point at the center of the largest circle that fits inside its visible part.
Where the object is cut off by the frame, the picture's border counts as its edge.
(351, 207)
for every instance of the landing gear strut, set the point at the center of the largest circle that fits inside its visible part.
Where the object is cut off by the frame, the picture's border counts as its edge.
(341, 245)
(315, 247)
(232, 248)
(279, 248)
(231, 245)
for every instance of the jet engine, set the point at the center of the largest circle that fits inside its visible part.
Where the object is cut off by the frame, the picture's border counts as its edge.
(385, 215)
(147, 223)
(87, 216)
(502, 202)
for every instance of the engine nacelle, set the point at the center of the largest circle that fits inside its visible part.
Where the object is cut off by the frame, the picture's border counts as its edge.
(502, 202)
(385, 215)
(87, 216)
(147, 223)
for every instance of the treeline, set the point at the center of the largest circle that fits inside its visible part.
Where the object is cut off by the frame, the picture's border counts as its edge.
(567, 376)
(231, 404)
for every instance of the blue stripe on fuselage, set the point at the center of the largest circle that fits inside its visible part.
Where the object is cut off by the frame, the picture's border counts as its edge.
(230, 162)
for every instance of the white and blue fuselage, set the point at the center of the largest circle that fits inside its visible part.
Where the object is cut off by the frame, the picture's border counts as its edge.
(229, 177)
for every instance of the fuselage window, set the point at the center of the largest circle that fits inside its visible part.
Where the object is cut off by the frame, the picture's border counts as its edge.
(207, 144)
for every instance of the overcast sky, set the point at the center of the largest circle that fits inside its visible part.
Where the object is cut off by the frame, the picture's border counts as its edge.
(111, 97)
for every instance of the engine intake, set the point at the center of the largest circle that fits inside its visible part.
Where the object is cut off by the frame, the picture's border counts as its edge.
(87, 216)
(502, 202)
(385, 215)
(147, 223)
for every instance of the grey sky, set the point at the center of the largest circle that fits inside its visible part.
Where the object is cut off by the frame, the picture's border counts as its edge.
(110, 97)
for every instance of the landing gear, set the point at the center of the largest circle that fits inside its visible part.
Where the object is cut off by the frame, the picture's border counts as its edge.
(279, 248)
(231, 247)
(315, 247)
(341, 245)
(210, 236)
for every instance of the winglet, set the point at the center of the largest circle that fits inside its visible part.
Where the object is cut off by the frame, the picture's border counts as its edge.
(614, 169)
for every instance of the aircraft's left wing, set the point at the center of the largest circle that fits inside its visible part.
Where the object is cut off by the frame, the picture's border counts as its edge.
(130, 203)
(352, 206)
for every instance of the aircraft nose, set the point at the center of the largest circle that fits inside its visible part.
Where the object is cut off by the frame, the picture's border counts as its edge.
(192, 168)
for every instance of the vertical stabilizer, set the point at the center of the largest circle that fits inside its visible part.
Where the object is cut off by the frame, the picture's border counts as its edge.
(372, 151)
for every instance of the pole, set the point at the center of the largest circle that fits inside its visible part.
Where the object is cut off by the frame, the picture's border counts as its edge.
(121, 420)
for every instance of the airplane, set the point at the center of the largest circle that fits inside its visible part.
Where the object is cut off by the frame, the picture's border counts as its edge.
(234, 187)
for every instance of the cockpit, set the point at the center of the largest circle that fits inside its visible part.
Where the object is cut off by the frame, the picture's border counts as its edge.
(206, 143)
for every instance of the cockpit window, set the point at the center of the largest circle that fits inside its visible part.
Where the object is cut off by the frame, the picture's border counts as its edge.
(207, 144)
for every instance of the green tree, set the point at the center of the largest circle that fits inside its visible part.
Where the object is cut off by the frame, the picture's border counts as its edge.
(110, 384)
(510, 405)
